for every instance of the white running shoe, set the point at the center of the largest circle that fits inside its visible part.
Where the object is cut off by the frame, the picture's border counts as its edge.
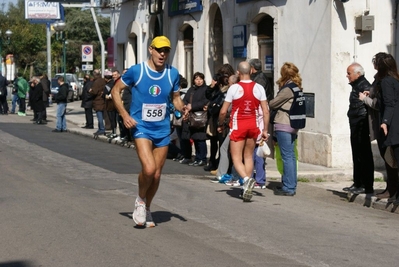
(233, 183)
(149, 223)
(139, 213)
(248, 186)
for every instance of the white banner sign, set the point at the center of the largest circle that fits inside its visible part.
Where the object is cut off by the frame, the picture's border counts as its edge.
(40, 10)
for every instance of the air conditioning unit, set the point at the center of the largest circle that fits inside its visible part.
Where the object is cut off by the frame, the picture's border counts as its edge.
(364, 23)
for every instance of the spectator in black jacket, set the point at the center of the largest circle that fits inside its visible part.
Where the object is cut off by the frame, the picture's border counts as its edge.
(3, 95)
(258, 76)
(46, 94)
(61, 99)
(125, 134)
(87, 102)
(216, 93)
(362, 155)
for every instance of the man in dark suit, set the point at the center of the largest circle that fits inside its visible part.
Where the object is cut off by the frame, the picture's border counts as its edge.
(87, 102)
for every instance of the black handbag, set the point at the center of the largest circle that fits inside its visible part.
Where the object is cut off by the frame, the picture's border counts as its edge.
(198, 119)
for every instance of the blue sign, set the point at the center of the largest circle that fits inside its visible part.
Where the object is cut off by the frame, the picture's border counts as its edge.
(240, 41)
(180, 7)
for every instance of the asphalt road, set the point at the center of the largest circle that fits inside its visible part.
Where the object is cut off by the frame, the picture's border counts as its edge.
(66, 200)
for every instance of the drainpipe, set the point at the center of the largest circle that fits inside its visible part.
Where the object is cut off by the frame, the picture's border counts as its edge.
(393, 31)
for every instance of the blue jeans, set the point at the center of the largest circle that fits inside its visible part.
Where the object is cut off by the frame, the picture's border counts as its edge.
(200, 150)
(61, 120)
(15, 101)
(286, 142)
(100, 118)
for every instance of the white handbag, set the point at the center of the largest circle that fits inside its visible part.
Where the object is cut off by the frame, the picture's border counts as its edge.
(263, 150)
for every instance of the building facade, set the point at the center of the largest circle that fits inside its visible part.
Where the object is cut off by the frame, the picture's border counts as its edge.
(321, 37)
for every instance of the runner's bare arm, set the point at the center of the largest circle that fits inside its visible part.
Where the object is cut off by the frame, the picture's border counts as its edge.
(266, 118)
(178, 103)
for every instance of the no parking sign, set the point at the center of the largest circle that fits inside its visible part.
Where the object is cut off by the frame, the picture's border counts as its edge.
(87, 53)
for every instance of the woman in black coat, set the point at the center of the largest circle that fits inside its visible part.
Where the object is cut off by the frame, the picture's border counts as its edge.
(387, 78)
(195, 97)
(36, 98)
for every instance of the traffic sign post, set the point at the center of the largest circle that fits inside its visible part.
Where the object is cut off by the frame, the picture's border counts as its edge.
(87, 53)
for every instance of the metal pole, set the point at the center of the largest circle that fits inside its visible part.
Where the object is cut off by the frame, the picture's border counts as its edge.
(1, 57)
(99, 37)
(64, 57)
(48, 50)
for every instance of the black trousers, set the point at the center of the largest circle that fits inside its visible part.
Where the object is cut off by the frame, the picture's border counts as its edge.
(3, 105)
(112, 119)
(44, 112)
(362, 155)
(89, 117)
(22, 105)
(124, 132)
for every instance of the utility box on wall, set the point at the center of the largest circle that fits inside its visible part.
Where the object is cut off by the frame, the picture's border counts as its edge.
(364, 23)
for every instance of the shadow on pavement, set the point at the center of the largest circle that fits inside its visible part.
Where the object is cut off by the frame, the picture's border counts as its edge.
(158, 216)
(16, 264)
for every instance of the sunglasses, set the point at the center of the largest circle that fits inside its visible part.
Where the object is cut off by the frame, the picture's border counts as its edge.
(165, 50)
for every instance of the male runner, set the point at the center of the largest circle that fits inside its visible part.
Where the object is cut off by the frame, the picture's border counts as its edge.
(153, 82)
(245, 98)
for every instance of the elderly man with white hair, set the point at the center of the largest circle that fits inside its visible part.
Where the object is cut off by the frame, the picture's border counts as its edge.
(362, 155)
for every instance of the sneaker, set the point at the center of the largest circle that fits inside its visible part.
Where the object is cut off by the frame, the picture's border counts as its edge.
(184, 161)
(259, 186)
(233, 183)
(139, 214)
(149, 222)
(118, 139)
(197, 163)
(225, 178)
(178, 157)
(248, 186)
(358, 190)
(278, 191)
(215, 179)
(111, 135)
(21, 114)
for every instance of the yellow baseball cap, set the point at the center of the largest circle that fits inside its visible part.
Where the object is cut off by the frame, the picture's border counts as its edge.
(160, 41)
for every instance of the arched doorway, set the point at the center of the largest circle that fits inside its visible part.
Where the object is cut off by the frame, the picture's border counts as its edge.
(188, 37)
(157, 28)
(215, 39)
(131, 51)
(265, 45)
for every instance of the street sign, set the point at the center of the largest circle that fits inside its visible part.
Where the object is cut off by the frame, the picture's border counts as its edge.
(87, 53)
(87, 67)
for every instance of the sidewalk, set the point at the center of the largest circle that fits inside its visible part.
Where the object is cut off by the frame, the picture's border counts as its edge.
(330, 179)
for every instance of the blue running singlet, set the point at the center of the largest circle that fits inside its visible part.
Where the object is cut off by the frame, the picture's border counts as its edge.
(151, 91)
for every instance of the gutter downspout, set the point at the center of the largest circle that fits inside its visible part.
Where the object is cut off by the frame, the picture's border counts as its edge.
(393, 31)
